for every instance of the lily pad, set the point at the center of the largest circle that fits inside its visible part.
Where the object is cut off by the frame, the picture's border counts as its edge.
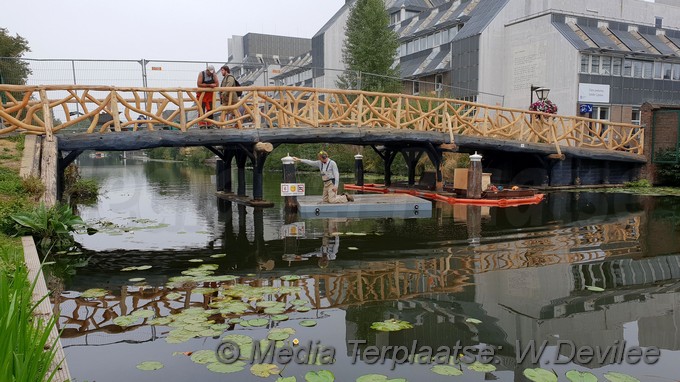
(298, 302)
(125, 320)
(219, 255)
(319, 376)
(303, 309)
(482, 367)
(540, 375)
(593, 288)
(290, 277)
(308, 323)
(353, 248)
(278, 336)
(94, 293)
(219, 367)
(136, 279)
(473, 321)
(446, 370)
(144, 313)
(160, 321)
(238, 339)
(391, 325)
(378, 378)
(619, 377)
(195, 260)
(286, 379)
(279, 317)
(578, 376)
(204, 357)
(257, 322)
(173, 296)
(264, 370)
(150, 365)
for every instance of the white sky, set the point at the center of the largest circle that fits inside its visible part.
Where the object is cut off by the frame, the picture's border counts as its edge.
(155, 29)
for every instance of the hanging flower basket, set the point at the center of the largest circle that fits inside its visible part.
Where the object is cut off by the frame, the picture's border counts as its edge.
(544, 106)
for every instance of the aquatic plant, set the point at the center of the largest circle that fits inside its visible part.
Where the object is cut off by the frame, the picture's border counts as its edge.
(26, 351)
(391, 325)
(50, 227)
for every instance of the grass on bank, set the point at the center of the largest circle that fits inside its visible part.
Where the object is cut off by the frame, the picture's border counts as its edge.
(24, 354)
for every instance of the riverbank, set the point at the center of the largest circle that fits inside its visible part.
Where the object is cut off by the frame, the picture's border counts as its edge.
(29, 352)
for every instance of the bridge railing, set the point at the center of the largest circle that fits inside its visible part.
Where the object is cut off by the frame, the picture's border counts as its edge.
(104, 108)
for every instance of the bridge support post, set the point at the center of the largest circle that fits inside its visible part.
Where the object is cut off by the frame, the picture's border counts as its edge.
(223, 171)
(241, 157)
(388, 159)
(49, 171)
(436, 159)
(576, 172)
(606, 171)
(412, 159)
(260, 153)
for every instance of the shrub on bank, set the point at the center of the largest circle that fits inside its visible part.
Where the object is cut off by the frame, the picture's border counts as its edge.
(669, 172)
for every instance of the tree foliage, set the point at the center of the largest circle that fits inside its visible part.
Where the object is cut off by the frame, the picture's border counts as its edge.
(370, 49)
(12, 69)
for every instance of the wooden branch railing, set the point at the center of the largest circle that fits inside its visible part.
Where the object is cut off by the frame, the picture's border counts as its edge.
(105, 108)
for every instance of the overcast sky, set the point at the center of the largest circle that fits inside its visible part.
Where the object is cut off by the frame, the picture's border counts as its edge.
(155, 29)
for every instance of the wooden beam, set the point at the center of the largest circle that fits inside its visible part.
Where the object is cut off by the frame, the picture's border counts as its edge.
(48, 171)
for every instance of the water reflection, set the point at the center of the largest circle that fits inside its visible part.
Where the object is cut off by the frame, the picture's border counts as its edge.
(523, 272)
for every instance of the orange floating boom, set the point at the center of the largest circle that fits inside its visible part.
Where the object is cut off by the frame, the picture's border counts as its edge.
(381, 189)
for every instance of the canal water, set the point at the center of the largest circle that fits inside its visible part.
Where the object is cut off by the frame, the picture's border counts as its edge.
(173, 274)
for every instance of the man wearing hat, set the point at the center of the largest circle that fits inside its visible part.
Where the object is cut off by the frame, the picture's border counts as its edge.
(330, 176)
(206, 79)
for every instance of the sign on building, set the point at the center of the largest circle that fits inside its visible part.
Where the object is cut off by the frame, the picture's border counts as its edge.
(292, 189)
(593, 93)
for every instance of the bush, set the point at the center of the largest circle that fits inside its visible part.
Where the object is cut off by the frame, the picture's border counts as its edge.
(668, 173)
(82, 190)
(33, 186)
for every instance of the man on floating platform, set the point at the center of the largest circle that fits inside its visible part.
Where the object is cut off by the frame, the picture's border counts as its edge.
(330, 176)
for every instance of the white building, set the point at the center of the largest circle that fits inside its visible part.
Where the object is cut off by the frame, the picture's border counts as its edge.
(612, 55)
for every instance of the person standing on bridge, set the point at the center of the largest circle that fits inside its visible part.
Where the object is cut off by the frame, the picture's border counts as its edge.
(206, 79)
(330, 176)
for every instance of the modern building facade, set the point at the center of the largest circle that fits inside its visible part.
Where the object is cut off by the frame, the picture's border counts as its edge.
(599, 58)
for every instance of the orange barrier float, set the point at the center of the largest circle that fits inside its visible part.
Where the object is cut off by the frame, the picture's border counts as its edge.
(381, 189)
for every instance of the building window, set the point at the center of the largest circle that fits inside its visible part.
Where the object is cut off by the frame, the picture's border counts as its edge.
(438, 83)
(647, 69)
(676, 72)
(601, 112)
(637, 69)
(416, 87)
(667, 69)
(627, 68)
(595, 64)
(657, 70)
(635, 117)
(585, 63)
(658, 22)
(616, 66)
(606, 65)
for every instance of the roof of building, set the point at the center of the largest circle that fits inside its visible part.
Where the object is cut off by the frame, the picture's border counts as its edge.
(480, 16)
(632, 38)
(410, 5)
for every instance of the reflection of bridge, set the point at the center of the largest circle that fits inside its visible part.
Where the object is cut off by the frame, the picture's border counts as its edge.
(353, 283)
(390, 123)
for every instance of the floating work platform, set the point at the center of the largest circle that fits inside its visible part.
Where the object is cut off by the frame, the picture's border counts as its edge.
(493, 199)
(367, 206)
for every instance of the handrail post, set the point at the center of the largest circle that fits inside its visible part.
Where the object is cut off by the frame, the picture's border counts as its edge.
(315, 106)
(398, 116)
(47, 116)
(257, 117)
(114, 110)
(182, 113)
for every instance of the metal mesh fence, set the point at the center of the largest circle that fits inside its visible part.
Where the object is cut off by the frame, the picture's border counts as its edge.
(169, 74)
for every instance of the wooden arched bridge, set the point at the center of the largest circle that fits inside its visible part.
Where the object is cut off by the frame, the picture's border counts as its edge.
(565, 150)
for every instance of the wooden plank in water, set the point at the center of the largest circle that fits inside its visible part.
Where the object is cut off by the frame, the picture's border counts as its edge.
(44, 309)
(365, 206)
(245, 200)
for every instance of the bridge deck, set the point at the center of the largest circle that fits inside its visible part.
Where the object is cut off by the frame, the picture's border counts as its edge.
(125, 141)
